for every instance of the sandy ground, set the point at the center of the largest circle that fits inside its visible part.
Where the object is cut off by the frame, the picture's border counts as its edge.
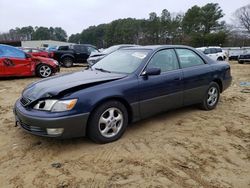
(182, 148)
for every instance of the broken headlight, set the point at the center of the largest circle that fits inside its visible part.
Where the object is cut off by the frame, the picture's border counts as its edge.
(55, 105)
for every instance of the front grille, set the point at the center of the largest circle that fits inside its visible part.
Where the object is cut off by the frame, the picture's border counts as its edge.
(25, 101)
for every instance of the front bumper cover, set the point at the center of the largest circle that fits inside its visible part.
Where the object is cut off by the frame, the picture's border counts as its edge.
(73, 125)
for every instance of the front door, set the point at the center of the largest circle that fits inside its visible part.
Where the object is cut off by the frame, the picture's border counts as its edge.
(81, 53)
(14, 62)
(162, 92)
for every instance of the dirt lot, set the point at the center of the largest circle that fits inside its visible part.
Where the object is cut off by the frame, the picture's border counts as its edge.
(182, 148)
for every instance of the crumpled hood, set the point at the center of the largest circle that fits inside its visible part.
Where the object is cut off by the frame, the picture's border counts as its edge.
(96, 54)
(43, 59)
(54, 85)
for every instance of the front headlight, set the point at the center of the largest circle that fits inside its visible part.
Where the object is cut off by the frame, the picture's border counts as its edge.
(56, 62)
(56, 105)
(64, 105)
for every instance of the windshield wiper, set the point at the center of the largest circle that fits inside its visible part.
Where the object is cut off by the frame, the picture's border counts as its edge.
(102, 70)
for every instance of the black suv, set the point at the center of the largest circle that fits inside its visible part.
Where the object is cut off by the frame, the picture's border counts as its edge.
(78, 53)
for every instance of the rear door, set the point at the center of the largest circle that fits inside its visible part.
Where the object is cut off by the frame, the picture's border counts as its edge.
(81, 53)
(161, 92)
(196, 75)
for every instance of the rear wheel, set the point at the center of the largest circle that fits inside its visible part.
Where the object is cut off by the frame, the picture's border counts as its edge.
(44, 71)
(211, 97)
(67, 62)
(108, 122)
(240, 62)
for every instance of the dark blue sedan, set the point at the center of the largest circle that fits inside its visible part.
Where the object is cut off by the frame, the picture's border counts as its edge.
(126, 86)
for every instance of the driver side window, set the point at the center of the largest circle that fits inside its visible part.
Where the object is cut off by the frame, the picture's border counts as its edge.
(166, 60)
(12, 52)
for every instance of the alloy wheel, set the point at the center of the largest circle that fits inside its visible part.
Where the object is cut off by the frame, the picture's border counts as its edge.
(45, 71)
(110, 122)
(212, 96)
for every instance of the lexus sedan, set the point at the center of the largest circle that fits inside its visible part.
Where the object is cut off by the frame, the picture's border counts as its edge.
(126, 86)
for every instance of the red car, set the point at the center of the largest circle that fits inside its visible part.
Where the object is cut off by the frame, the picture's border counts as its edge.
(15, 62)
(36, 52)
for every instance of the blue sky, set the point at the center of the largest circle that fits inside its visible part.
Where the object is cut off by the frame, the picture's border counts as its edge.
(76, 15)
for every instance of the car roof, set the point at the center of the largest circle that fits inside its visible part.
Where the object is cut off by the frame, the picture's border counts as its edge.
(158, 47)
(206, 47)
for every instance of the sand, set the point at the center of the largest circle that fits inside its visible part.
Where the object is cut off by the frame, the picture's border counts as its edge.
(187, 147)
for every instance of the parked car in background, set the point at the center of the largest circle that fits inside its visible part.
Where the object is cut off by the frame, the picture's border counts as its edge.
(51, 48)
(244, 58)
(15, 62)
(127, 85)
(97, 56)
(37, 52)
(78, 53)
(214, 52)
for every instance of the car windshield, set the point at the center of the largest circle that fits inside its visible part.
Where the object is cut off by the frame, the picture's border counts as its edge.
(121, 61)
(110, 49)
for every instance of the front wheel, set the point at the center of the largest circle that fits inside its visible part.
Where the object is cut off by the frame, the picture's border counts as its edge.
(44, 71)
(108, 122)
(211, 97)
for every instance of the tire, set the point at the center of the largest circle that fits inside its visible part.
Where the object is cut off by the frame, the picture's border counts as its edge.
(44, 71)
(220, 59)
(107, 122)
(67, 62)
(241, 62)
(211, 97)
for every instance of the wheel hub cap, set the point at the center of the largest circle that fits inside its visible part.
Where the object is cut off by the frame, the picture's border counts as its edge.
(45, 71)
(212, 96)
(110, 122)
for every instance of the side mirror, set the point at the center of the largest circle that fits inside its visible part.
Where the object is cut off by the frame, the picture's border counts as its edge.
(27, 55)
(151, 72)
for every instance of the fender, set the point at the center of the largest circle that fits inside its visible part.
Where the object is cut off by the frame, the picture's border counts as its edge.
(68, 55)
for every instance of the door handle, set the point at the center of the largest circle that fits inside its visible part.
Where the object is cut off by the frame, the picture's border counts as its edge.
(7, 62)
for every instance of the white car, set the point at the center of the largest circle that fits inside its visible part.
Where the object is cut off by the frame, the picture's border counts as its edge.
(214, 52)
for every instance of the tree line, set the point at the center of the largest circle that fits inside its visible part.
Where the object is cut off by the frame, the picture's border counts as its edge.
(199, 26)
(34, 33)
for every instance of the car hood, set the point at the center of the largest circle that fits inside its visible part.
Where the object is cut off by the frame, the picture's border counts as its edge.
(56, 85)
(96, 57)
(96, 54)
(42, 59)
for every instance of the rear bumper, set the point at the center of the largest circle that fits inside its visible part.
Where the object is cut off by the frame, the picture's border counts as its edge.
(74, 125)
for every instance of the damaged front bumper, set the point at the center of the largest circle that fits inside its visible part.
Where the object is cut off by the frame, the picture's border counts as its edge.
(59, 127)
